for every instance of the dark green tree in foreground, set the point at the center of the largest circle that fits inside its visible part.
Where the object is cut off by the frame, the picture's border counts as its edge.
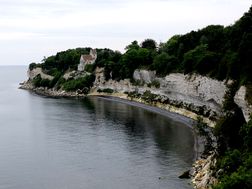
(149, 44)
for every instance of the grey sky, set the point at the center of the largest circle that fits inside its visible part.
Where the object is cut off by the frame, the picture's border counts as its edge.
(31, 29)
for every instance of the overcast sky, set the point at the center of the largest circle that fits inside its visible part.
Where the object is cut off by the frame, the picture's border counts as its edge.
(32, 29)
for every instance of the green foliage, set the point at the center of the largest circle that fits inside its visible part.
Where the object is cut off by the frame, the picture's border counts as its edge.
(229, 103)
(227, 130)
(203, 130)
(148, 96)
(238, 171)
(133, 59)
(59, 83)
(89, 68)
(217, 51)
(231, 161)
(227, 67)
(137, 82)
(164, 64)
(32, 66)
(80, 83)
(107, 90)
(171, 46)
(149, 44)
(201, 127)
(246, 134)
(236, 163)
(39, 82)
(36, 81)
(64, 60)
(133, 45)
(249, 93)
(104, 55)
(55, 80)
(54, 72)
(237, 180)
(155, 83)
(200, 60)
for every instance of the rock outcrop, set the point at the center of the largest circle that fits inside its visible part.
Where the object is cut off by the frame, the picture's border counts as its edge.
(198, 94)
(187, 91)
(203, 174)
(75, 74)
(38, 71)
(240, 100)
(144, 75)
(193, 92)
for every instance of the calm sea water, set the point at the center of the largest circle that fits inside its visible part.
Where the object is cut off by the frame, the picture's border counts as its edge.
(93, 143)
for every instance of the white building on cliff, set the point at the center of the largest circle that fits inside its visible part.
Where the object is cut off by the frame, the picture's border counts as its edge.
(87, 59)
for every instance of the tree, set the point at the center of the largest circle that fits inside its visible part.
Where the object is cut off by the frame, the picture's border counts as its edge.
(149, 44)
(171, 46)
(164, 64)
(144, 57)
(201, 60)
(227, 130)
(133, 45)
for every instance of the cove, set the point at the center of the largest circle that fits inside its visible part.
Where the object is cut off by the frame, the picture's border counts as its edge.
(89, 143)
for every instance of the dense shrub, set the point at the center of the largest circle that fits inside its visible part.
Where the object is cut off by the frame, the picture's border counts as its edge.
(80, 83)
(107, 90)
(32, 66)
(39, 82)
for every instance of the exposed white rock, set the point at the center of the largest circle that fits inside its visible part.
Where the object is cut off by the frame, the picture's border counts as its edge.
(75, 74)
(203, 175)
(240, 100)
(118, 86)
(195, 90)
(34, 72)
(69, 75)
(144, 75)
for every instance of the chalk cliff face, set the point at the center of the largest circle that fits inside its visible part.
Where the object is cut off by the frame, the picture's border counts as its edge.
(196, 93)
(195, 89)
(190, 91)
(240, 100)
(38, 71)
(144, 75)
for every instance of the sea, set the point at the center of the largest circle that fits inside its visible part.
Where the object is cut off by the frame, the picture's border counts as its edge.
(90, 143)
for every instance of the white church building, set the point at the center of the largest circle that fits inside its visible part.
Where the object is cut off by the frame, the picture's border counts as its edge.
(87, 59)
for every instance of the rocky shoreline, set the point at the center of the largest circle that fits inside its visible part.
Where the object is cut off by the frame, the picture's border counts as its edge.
(201, 173)
(44, 91)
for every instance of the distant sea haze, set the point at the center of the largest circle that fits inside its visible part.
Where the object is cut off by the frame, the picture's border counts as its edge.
(90, 143)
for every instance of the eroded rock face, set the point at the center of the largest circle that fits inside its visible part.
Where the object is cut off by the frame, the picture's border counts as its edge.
(38, 71)
(75, 74)
(194, 89)
(240, 100)
(118, 86)
(203, 175)
(144, 75)
(190, 91)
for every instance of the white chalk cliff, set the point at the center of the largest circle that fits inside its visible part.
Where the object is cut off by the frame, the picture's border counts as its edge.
(240, 100)
(38, 71)
(191, 91)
